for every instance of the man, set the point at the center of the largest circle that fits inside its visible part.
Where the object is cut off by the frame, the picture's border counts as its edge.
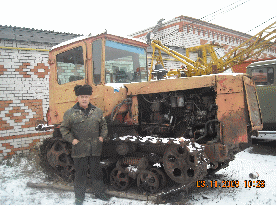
(85, 127)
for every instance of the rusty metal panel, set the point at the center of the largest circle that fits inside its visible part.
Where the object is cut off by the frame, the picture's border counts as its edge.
(216, 152)
(170, 85)
(110, 98)
(232, 111)
(228, 84)
(233, 116)
(253, 104)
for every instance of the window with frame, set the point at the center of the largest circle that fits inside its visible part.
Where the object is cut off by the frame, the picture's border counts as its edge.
(263, 75)
(124, 63)
(70, 66)
(96, 61)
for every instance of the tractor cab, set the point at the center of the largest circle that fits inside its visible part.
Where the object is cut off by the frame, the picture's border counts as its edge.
(106, 62)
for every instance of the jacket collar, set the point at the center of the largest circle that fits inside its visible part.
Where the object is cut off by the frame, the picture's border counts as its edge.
(90, 106)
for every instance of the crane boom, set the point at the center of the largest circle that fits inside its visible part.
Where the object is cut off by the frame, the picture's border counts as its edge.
(193, 68)
(248, 49)
(253, 46)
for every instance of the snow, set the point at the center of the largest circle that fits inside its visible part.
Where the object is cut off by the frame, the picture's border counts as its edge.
(154, 139)
(245, 163)
(14, 190)
(116, 86)
(70, 41)
(15, 173)
(80, 38)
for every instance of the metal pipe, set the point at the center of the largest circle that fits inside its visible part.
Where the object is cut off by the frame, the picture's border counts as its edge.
(206, 128)
(118, 107)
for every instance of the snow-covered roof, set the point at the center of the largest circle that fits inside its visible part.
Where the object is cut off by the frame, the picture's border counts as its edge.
(34, 35)
(260, 63)
(80, 38)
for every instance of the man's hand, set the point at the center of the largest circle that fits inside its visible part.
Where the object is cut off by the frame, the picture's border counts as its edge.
(75, 141)
(101, 139)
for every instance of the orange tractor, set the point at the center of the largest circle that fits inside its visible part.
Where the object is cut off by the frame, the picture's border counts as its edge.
(173, 130)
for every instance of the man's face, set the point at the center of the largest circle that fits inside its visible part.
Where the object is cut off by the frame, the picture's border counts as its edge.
(83, 100)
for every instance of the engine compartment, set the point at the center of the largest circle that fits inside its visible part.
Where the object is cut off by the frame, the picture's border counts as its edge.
(189, 114)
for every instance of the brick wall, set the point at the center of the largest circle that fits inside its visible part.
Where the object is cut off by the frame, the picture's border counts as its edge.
(24, 96)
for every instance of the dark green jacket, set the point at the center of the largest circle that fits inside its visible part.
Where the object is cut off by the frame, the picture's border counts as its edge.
(86, 126)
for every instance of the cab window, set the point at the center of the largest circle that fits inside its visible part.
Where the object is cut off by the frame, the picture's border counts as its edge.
(96, 61)
(70, 66)
(124, 63)
(263, 75)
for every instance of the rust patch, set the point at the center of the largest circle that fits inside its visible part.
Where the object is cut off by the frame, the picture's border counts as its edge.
(216, 152)
(232, 113)
(229, 84)
(234, 128)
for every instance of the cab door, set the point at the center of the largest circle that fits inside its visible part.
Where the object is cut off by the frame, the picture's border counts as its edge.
(67, 69)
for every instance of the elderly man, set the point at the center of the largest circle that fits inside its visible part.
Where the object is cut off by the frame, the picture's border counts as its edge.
(85, 127)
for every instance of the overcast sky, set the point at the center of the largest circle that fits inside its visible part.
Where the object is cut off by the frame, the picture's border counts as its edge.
(123, 17)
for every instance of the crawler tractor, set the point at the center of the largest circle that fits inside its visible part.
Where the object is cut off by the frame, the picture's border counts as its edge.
(164, 135)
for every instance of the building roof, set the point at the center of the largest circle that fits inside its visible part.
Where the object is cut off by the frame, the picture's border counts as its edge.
(34, 35)
(193, 22)
(104, 35)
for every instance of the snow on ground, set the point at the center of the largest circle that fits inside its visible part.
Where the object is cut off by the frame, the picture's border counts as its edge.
(15, 173)
(239, 169)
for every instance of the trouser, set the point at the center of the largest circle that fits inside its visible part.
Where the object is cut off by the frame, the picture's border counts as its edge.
(81, 174)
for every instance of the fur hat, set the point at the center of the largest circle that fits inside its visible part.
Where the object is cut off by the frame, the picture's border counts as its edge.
(83, 90)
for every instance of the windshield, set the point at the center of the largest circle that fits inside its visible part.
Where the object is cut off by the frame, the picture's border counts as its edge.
(124, 63)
